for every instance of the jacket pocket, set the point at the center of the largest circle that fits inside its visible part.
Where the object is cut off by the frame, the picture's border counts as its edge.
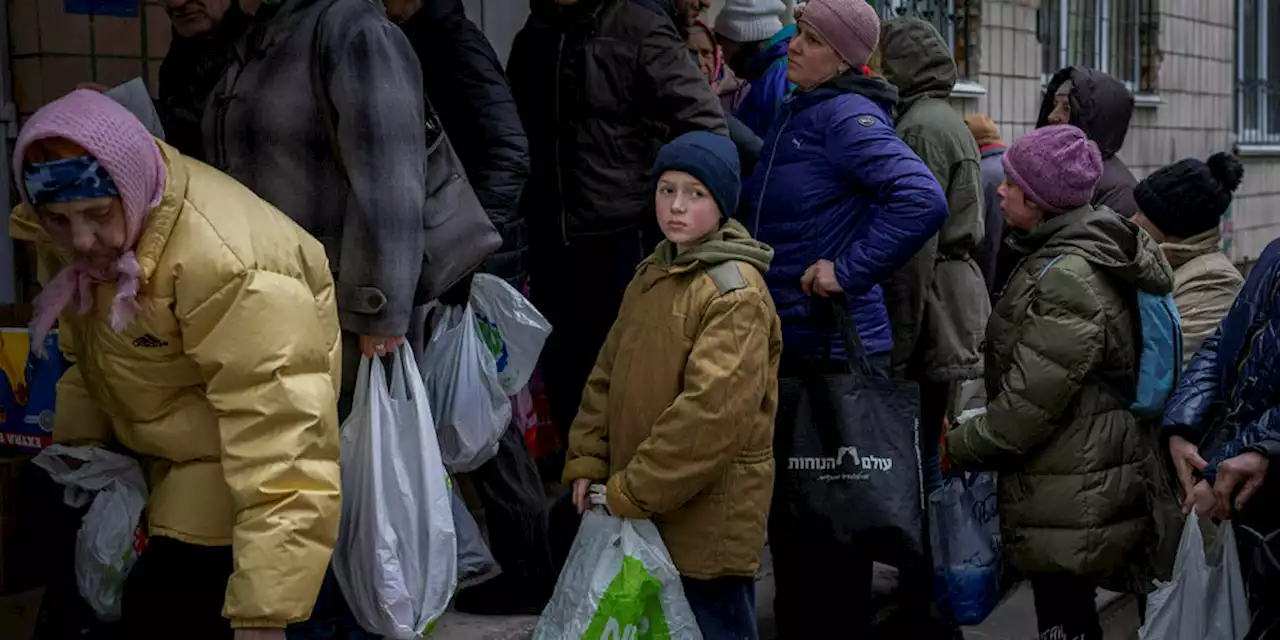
(957, 310)
(609, 70)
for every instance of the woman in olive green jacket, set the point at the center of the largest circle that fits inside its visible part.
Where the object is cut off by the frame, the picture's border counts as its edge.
(1062, 353)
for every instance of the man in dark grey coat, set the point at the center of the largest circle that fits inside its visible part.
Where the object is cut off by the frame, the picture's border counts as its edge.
(355, 180)
(359, 188)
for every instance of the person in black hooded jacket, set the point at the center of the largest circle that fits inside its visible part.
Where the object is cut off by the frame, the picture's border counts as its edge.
(601, 85)
(1102, 107)
(468, 89)
(466, 86)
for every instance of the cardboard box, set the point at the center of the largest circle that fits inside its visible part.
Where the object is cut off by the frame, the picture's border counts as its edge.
(27, 388)
(19, 613)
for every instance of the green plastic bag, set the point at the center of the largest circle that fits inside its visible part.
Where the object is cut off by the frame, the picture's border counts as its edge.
(618, 584)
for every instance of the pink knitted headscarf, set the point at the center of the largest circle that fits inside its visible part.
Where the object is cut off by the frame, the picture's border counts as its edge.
(130, 156)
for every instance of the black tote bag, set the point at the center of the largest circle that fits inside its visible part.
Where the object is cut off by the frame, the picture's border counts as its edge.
(848, 459)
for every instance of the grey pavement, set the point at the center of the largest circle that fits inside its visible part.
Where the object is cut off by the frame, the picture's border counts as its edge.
(1014, 619)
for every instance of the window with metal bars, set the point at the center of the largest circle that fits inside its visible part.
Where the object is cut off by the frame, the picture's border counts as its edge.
(1116, 36)
(1258, 72)
(957, 20)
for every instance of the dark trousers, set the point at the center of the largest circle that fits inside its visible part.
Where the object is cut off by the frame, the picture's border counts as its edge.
(177, 590)
(1260, 564)
(579, 287)
(511, 492)
(916, 615)
(724, 607)
(1066, 607)
(821, 586)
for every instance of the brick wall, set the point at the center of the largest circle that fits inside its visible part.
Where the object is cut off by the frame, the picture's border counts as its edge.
(1193, 117)
(1009, 67)
(1195, 86)
(53, 51)
(1255, 216)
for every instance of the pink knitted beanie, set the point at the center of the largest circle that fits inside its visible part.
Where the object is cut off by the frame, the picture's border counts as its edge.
(130, 156)
(1057, 167)
(851, 26)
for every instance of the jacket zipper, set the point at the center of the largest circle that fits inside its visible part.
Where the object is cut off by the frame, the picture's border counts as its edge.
(755, 231)
(564, 214)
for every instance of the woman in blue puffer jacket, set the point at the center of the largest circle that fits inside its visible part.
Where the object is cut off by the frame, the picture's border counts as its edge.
(844, 203)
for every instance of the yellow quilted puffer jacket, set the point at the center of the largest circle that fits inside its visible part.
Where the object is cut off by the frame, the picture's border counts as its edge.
(224, 385)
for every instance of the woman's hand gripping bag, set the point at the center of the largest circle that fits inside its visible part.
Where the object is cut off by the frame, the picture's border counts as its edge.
(618, 584)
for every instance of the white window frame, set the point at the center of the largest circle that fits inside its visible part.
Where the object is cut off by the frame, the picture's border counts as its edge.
(1265, 137)
(966, 87)
(1101, 45)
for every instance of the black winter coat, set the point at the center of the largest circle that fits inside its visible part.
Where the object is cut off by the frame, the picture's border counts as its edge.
(466, 85)
(601, 86)
(188, 74)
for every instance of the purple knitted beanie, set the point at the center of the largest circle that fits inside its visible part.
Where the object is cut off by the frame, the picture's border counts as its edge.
(851, 26)
(1057, 167)
(131, 157)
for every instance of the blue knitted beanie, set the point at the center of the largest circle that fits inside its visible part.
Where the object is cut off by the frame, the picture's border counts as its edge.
(709, 157)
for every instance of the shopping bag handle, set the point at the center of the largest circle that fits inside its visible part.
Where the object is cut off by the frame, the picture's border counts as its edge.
(853, 345)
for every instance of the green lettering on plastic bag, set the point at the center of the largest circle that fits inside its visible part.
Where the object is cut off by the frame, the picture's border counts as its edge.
(631, 608)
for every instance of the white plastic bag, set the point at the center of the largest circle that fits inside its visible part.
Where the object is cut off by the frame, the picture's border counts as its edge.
(1206, 598)
(396, 557)
(618, 582)
(105, 550)
(471, 408)
(511, 327)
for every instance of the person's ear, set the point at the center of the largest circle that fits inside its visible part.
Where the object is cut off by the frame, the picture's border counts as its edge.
(1033, 208)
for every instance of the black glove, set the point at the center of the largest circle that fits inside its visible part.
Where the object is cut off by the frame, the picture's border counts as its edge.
(459, 294)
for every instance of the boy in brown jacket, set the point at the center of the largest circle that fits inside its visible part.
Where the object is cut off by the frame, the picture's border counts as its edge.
(677, 416)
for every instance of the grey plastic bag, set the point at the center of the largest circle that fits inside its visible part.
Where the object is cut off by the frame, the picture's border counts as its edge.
(475, 562)
(1206, 598)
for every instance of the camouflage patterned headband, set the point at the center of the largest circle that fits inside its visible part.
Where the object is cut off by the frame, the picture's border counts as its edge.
(67, 180)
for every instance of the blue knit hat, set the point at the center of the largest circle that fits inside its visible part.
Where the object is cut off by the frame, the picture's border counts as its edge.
(709, 157)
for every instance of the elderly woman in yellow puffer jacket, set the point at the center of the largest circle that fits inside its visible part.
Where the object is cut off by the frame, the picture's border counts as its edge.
(204, 335)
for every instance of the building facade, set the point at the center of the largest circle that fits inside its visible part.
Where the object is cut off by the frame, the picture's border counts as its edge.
(1205, 73)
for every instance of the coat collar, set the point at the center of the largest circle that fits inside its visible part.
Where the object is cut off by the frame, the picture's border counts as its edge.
(1030, 241)
(1191, 248)
(155, 236)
